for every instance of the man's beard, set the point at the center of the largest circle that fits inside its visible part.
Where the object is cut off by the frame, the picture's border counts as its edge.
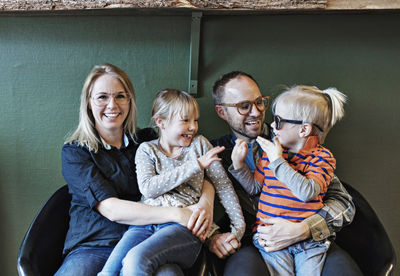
(242, 129)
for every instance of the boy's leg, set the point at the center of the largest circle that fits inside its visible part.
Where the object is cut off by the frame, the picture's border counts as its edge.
(171, 243)
(309, 257)
(278, 262)
(131, 238)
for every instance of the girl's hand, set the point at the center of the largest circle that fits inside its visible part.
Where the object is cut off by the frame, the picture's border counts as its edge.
(239, 153)
(211, 156)
(272, 149)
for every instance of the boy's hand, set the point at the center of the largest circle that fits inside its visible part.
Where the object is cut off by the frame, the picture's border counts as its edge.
(211, 156)
(272, 149)
(239, 153)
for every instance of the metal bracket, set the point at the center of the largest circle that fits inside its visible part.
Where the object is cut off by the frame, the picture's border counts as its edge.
(194, 52)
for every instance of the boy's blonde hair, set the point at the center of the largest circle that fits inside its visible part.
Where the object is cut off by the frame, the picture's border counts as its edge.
(311, 105)
(172, 102)
(86, 134)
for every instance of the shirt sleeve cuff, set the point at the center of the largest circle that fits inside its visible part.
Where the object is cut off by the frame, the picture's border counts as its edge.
(97, 192)
(318, 227)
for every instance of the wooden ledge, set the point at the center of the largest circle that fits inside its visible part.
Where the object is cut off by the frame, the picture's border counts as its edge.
(205, 5)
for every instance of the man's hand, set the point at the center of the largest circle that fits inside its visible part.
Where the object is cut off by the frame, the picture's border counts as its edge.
(272, 149)
(209, 157)
(279, 233)
(223, 245)
(239, 153)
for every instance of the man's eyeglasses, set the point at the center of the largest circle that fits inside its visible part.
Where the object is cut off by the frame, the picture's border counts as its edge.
(278, 122)
(104, 99)
(244, 108)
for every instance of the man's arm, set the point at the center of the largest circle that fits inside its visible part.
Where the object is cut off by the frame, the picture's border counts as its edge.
(338, 211)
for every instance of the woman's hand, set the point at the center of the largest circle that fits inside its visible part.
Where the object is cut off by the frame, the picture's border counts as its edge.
(272, 149)
(223, 245)
(279, 233)
(239, 153)
(201, 218)
(210, 156)
(200, 221)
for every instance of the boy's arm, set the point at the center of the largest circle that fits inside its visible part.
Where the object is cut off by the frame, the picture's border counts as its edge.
(302, 187)
(246, 179)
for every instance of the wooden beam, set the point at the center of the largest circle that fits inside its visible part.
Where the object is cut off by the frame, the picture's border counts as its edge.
(203, 5)
(363, 4)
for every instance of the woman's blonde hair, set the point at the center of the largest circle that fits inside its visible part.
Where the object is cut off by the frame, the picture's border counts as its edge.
(86, 134)
(311, 105)
(171, 102)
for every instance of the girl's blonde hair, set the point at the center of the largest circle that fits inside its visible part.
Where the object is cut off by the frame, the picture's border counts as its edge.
(311, 105)
(171, 102)
(86, 134)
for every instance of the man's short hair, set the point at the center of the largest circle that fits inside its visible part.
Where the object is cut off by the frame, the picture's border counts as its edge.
(219, 85)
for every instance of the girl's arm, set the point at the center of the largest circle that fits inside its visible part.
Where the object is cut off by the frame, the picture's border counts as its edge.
(154, 183)
(226, 193)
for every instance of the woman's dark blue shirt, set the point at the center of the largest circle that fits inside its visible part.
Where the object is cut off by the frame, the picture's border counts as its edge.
(91, 178)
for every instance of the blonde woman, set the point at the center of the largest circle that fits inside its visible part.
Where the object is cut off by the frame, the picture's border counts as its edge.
(98, 166)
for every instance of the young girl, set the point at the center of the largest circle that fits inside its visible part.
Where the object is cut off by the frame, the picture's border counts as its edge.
(293, 180)
(170, 172)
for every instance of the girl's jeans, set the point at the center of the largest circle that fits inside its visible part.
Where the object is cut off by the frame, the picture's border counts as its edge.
(144, 248)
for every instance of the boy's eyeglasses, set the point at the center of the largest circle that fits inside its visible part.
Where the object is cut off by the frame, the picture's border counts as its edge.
(244, 108)
(104, 99)
(278, 122)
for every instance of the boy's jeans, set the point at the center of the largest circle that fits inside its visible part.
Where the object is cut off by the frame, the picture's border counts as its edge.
(303, 258)
(144, 248)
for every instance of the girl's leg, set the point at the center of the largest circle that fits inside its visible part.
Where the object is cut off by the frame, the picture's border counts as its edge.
(84, 261)
(169, 270)
(134, 236)
(171, 243)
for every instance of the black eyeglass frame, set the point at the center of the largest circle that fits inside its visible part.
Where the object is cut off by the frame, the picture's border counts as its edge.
(279, 120)
(237, 105)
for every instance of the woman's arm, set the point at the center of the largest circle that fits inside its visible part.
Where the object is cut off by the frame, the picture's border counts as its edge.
(136, 213)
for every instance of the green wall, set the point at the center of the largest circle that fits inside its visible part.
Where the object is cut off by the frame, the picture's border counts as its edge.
(44, 60)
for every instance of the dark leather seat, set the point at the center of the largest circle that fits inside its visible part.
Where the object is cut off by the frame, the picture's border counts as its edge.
(41, 250)
(40, 253)
(366, 240)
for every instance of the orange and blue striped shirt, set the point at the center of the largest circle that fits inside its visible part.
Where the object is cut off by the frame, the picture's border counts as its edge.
(314, 162)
